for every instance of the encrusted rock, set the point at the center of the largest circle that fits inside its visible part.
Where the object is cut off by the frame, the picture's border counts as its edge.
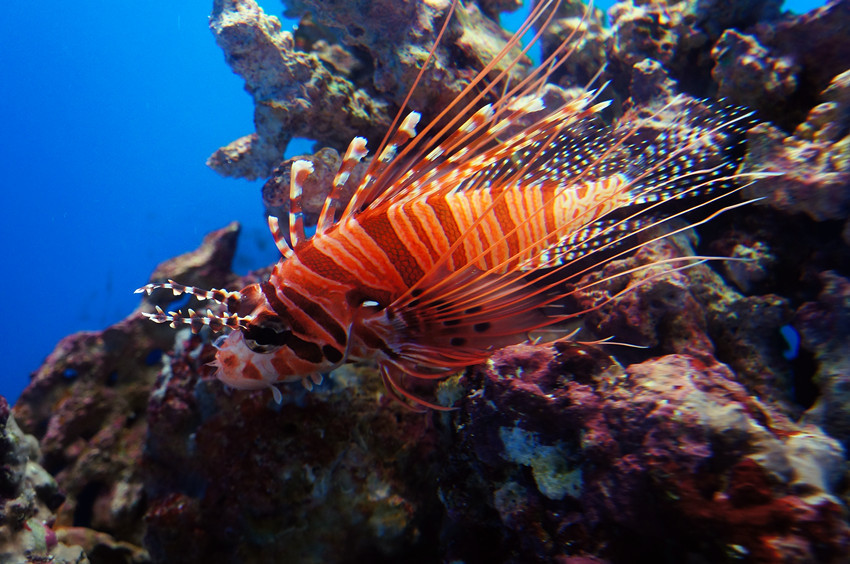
(817, 41)
(670, 309)
(824, 327)
(588, 45)
(29, 497)
(297, 94)
(316, 188)
(334, 475)
(87, 405)
(813, 165)
(562, 453)
(746, 74)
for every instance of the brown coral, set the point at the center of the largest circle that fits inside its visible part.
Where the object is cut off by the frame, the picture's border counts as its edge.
(300, 94)
(748, 75)
(295, 94)
(814, 163)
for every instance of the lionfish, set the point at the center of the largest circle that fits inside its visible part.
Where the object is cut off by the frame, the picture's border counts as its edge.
(462, 239)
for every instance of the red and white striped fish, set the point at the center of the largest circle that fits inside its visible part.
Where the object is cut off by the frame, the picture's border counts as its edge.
(459, 239)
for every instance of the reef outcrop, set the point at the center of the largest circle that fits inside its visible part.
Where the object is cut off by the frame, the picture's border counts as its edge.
(88, 406)
(29, 496)
(564, 453)
(345, 72)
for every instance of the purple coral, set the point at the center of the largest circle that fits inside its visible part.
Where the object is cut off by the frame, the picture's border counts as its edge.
(659, 458)
(824, 326)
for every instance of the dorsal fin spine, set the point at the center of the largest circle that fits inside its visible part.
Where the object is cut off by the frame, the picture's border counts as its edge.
(432, 182)
(406, 131)
(353, 155)
(365, 191)
(417, 150)
(423, 156)
(301, 169)
(547, 127)
(279, 240)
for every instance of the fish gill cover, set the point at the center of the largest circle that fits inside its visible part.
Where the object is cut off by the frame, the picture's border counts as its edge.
(707, 443)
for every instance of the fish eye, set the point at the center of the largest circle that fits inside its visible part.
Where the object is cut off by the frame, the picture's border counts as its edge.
(266, 335)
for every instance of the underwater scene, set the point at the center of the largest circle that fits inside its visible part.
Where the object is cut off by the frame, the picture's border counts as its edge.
(415, 281)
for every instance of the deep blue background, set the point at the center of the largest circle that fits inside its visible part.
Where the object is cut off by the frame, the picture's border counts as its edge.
(108, 111)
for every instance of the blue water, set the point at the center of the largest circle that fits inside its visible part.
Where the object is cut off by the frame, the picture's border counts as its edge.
(108, 112)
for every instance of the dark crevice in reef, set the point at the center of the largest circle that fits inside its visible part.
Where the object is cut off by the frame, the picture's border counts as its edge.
(798, 260)
(805, 390)
(84, 511)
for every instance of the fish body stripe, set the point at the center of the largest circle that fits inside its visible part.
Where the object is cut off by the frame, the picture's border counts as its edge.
(502, 214)
(411, 233)
(450, 227)
(524, 221)
(434, 240)
(381, 230)
(317, 313)
(351, 254)
(360, 262)
(317, 262)
(388, 251)
(304, 316)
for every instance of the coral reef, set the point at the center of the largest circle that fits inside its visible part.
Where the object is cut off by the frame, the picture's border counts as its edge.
(343, 473)
(562, 453)
(824, 326)
(712, 437)
(28, 498)
(297, 94)
(336, 475)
